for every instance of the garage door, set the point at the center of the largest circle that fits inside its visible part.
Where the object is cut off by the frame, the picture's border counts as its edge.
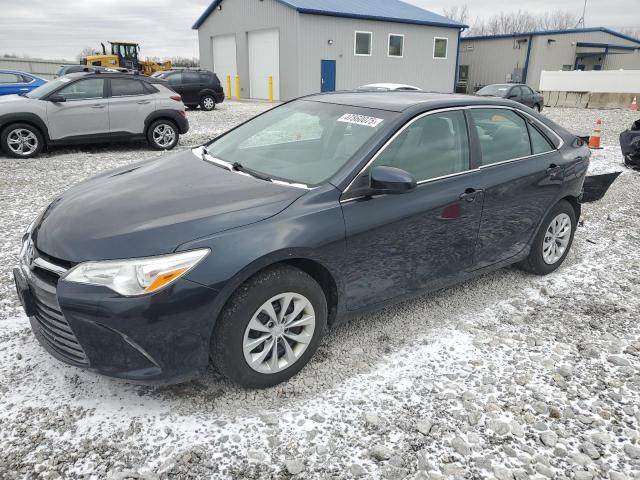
(264, 60)
(224, 57)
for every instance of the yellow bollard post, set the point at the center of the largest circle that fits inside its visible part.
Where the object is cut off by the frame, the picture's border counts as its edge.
(237, 87)
(229, 94)
(270, 89)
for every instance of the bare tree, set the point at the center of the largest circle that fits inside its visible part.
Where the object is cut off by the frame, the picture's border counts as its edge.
(85, 52)
(631, 32)
(558, 20)
(459, 13)
(184, 62)
(513, 22)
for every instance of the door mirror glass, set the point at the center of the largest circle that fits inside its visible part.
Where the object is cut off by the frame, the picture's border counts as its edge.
(391, 180)
(55, 98)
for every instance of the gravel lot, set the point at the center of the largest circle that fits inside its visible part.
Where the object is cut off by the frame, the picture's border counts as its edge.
(509, 376)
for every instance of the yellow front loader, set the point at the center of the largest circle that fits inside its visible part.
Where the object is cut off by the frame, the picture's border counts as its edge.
(125, 55)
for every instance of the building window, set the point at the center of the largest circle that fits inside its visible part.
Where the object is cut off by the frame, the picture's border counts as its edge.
(396, 45)
(440, 47)
(363, 44)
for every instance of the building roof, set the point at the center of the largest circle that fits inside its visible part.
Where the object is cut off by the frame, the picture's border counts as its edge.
(383, 10)
(552, 32)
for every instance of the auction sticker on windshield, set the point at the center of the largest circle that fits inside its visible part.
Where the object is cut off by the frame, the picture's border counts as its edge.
(360, 120)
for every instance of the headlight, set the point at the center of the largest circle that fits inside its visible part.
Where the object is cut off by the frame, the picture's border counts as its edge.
(136, 276)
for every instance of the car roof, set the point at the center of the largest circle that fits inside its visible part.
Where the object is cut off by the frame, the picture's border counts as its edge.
(18, 72)
(399, 101)
(107, 74)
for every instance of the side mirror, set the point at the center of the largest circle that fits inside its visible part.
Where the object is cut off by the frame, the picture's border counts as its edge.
(391, 180)
(56, 98)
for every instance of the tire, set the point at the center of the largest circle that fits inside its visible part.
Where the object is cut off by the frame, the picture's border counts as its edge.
(163, 135)
(246, 306)
(21, 137)
(537, 107)
(539, 263)
(207, 103)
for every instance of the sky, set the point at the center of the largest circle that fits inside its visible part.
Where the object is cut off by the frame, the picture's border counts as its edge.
(61, 29)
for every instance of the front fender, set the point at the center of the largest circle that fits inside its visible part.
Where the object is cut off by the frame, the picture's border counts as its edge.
(25, 117)
(311, 229)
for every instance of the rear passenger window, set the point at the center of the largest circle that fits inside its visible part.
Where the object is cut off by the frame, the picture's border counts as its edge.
(207, 78)
(433, 146)
(174, 79)
(538, 141)
(190, 78)
(123, 87)
(503, 135)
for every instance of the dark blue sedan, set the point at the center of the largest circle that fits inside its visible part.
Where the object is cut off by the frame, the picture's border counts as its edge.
(13, 82)
(245, 250)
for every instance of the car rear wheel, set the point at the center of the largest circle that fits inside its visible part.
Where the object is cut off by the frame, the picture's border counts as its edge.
(270, 328)
(163, 135)
(553, 241)
(21, 140)
(208, 103)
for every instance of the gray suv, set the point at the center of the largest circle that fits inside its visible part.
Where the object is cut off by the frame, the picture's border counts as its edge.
(92, 107)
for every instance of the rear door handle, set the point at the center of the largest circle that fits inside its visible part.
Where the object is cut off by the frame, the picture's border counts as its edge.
(469, 195)
(97, 106)
(144, 102)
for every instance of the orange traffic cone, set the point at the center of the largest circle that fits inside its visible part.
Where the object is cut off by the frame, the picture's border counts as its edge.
(594, 139)
(634, 105)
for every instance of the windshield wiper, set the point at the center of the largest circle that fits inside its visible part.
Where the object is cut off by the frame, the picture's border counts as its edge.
(239, 168)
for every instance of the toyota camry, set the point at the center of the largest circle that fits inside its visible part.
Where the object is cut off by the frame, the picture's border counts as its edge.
(244, 251)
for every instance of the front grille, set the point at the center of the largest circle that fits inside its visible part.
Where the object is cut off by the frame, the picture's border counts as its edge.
(49, 320)
(56, 332)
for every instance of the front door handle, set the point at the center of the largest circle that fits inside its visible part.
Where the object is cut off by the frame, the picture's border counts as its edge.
(97, 106)
(469, 195)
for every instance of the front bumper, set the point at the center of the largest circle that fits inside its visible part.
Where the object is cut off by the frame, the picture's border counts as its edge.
(161, 338)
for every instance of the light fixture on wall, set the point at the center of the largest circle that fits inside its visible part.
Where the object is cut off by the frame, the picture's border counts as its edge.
(330, 42)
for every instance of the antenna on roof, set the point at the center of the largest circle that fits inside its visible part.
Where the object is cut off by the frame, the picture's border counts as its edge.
(581, 23)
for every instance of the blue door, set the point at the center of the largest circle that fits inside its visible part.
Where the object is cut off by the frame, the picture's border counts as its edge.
(328, 76)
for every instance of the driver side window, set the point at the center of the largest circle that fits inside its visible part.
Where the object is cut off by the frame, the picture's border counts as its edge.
(433, 146)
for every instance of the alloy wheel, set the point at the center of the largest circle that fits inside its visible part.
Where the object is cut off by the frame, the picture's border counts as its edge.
(22, 142)
(164, 135)
(208, 103)
(556, 239)
(279, 333)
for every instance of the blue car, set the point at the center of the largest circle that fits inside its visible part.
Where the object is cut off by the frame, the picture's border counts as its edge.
(13, 82)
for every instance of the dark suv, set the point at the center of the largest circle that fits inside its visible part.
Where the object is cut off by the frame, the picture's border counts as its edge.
(196, 86)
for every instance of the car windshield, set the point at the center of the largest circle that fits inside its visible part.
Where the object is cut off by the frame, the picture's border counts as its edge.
(47, 88)
(494, 90)
(300, 142)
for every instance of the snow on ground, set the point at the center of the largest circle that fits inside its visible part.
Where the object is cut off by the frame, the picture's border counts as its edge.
(507, 376)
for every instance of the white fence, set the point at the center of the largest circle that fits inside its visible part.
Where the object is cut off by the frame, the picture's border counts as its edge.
(42, 68)
(602, 81)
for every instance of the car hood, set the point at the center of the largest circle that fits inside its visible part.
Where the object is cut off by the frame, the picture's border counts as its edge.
(7, 102)
(153, 207)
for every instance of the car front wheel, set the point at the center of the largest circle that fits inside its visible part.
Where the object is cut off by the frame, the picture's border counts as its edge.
(163, 135)
(21, 140)
(208, 103)
(553, 241)
(270, 328)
